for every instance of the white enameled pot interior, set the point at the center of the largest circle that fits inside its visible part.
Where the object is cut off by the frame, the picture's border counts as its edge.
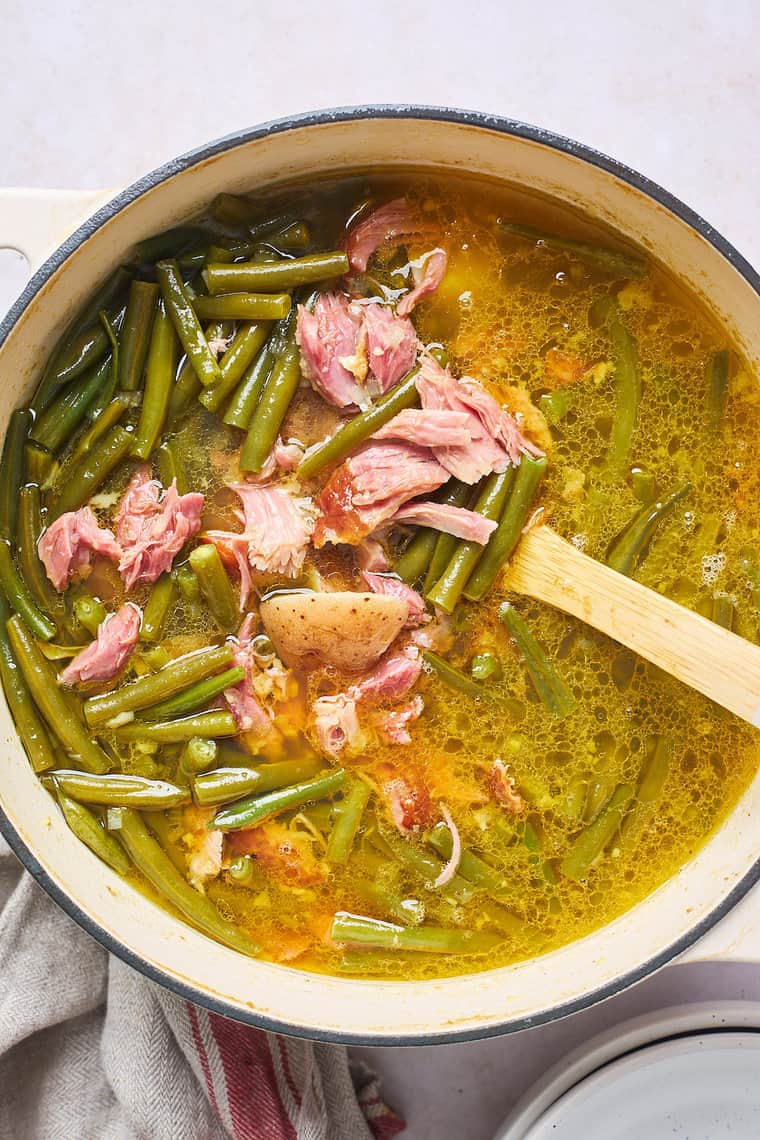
(342, 1008)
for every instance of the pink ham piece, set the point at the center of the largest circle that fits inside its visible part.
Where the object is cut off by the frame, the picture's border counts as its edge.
(502, 784)
(495, 439)
(369, 487)
(393, 726)
(108, 654)
(432, 428)
(371, 556)
(392, 677)
(458, 521)
(276, 532)
(431, 277)
(241, 698)
(393, 587)
(410, 805)
(396, 219)
(152, 526)
(335, 723)
(391, 346)
(67, 544)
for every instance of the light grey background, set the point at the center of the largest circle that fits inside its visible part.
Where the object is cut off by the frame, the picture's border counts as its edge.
(93, 95)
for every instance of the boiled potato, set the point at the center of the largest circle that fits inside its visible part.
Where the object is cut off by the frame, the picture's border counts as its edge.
(348, 630)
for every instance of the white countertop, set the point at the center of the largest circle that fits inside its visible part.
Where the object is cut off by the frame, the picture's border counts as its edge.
(95, 95)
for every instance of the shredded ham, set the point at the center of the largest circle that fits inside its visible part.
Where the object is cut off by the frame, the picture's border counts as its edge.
(152, 526)
(108, 654)
(393, 726)
(457, 521)
(451, 868)
(409, 803)
(371, 556)
(392, 586)
(426, 282)
(502, 785)
(395, 219)
(66, 546)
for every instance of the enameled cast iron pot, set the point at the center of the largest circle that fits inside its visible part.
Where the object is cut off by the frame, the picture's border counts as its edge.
(277, 997)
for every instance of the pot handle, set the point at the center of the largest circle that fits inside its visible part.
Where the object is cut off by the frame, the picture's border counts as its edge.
(736, 938)
(34, 222)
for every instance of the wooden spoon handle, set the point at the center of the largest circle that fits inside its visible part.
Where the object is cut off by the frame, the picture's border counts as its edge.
(724, 667)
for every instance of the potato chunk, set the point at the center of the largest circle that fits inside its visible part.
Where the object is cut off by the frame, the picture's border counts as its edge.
(348, 630)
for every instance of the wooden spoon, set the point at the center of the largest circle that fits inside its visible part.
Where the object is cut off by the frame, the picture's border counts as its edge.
(709, 658)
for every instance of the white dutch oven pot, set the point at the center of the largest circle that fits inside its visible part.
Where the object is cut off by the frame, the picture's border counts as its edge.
(656, 931)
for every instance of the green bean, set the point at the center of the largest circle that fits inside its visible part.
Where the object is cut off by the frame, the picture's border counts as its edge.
(215, 585)
(361, 427)
(723, 611)
(554, 406)
(157, 608)
(549, 685)
(347, 825)
(160, 372)
(464, 558)
(62, 417)
(629, 548)
(59, 710)
(169, 241)
(587, 846)
(189, 585)
(356, 930)
(12, 470)
(108, 418)
(93, 470)
(718, 372)
(34, 735)
(452, 676)
(274, 402)
(196, 696)
(136, 333)
(409, 911)
(37, 463)
(244, 306)
(246, 396)
(485, 667)
(415, 557)
(292, 238)
(170, 465)
(89, 613)
(507, 534)
(224, 785)
(119, 790)
(90, 831)
(627, 391)
(20, 598)
(255, 809)
(187, 385)
(155, 864)
(242, 870)
(212, 724)
(234, 209)
(426, 866)
(30, 528)
(471, 867)
(186, 324)
(245, 347)
(145, 691)
(255, 277)
(612, 260)
(86, 349)
(644, 486)
(198, 755)
(458, 495)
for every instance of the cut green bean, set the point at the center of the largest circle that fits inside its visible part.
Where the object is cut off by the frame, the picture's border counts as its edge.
(471, 867)
(452, 676)
(215, 585)
(415, 557)
(34, 735)
(37, 463)
(160, 372)
(648, 792)
(274, 402)
(347, 824)
(723, 612)
(186, 323)
(511, 525)
(89, 613)
(425, 865)
(246, 396)
(485, 667)
(588, 846)
(196, 696)
(244, 306)
(548, 684)
(212, 724)
(718, 372)
(20, 598)
(173, 678)
(59, 709)
(255, 809)
(611, 260)
(361, 427)
(465, 556)
(245, 347)
(86, 349)
(62, 417)
(88, 828)
(170, 241)
(224, 785)
(12, 471)
(458, 495)
(171, 467)
(93, 470)
(255, 277)
(119, 790)
(198, 755)
(377, 893)
(157, 608)
(110, 415)
(136, 333)
(150, 859)
(356, 930)
(629, 548)
(644, 486)
(187, 385)
(554, 406)
(30, 527)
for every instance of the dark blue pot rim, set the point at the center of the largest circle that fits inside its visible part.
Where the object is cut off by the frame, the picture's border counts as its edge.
(59, 257)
